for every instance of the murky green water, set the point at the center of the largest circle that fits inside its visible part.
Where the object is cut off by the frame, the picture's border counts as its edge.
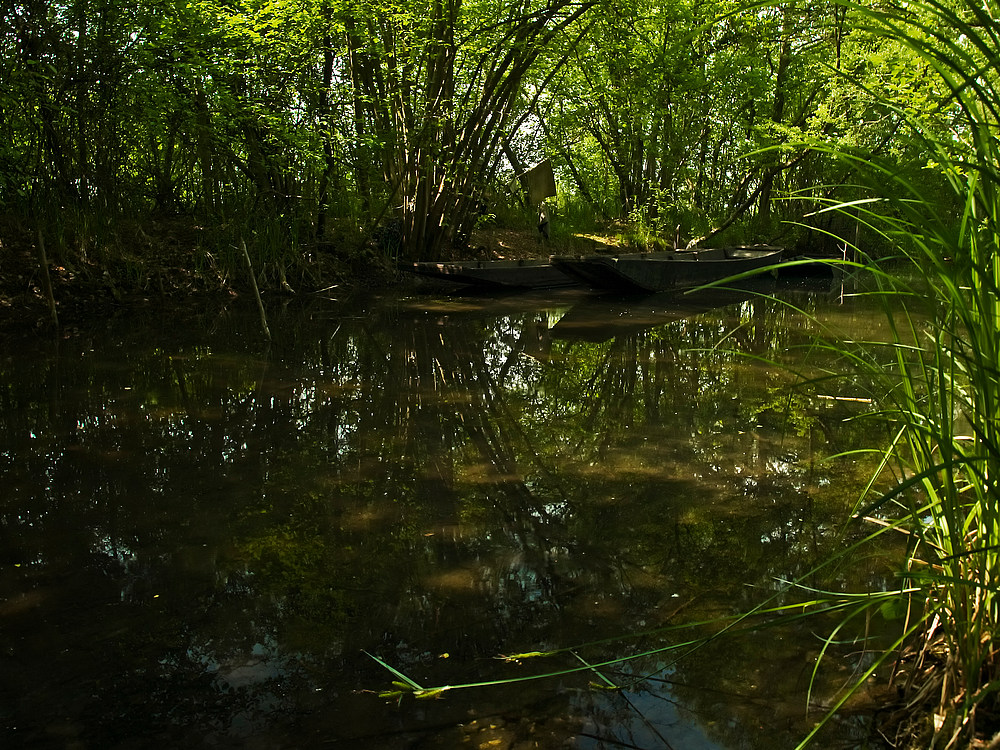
(201, 534)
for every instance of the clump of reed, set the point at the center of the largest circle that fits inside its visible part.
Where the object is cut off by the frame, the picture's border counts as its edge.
(939, 380)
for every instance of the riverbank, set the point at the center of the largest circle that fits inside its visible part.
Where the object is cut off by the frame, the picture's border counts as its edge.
(169, 263)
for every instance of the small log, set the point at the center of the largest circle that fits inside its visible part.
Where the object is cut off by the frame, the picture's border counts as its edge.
(43, 263)
(256, 291)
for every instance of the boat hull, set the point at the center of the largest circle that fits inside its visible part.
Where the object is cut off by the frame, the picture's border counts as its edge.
(666, 271)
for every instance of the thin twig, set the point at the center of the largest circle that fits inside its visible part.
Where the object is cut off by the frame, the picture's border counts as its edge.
(43, 262)
(256, 291)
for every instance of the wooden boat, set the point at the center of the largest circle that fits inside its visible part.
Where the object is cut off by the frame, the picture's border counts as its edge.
(533, 273)
(668, 270)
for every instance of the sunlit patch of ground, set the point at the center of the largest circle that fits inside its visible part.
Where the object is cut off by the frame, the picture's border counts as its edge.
(598, 239)
(512, 244)
(507, 244)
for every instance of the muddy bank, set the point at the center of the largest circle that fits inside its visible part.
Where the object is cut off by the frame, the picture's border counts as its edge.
(169, 268)
(172, 265)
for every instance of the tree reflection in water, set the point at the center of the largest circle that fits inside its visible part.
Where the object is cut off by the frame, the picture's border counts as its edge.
(201, 535)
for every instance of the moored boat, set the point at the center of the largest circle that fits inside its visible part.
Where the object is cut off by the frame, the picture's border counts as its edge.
(532, 273)
(668, 270)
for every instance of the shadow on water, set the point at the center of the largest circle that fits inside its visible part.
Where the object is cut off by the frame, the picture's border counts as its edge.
(202, 534)
(600, 317)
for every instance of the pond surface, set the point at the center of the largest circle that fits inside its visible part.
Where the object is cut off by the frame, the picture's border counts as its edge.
(204, 536)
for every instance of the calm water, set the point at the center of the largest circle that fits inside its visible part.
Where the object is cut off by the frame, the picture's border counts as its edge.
(201, 535)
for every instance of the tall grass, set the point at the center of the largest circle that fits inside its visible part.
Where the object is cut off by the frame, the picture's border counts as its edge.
(939, 376)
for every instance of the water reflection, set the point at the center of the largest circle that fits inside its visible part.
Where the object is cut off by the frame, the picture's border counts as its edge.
(201, 534)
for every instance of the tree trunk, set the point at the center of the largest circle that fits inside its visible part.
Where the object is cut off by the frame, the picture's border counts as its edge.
(777, 115)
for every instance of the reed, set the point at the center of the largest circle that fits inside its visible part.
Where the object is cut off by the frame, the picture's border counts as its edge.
(938, 378)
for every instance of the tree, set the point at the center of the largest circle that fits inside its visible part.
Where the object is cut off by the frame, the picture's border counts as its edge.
(437, 88)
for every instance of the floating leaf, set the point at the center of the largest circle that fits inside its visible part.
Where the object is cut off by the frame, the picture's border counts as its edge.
(599, 686)
(431, 692)
(526, 655)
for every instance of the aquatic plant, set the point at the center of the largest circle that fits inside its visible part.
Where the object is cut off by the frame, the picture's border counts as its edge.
(938, 376)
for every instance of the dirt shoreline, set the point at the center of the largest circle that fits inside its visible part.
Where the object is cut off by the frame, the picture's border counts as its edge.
(171, 271)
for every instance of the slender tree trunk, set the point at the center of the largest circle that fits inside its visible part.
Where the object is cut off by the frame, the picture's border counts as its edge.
(567, 157)
(329, 165)
(206, 154)
(777, 115)
(82, 107)
(362, 84)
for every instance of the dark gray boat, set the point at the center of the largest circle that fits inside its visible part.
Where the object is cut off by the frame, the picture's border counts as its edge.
(531, 273)
(668, 270)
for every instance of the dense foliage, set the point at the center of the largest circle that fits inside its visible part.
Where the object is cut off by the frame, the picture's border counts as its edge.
(305, 125)
(938, 377)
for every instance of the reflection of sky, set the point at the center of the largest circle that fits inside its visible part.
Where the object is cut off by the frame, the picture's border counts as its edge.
(255, 675)
(643, 719)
